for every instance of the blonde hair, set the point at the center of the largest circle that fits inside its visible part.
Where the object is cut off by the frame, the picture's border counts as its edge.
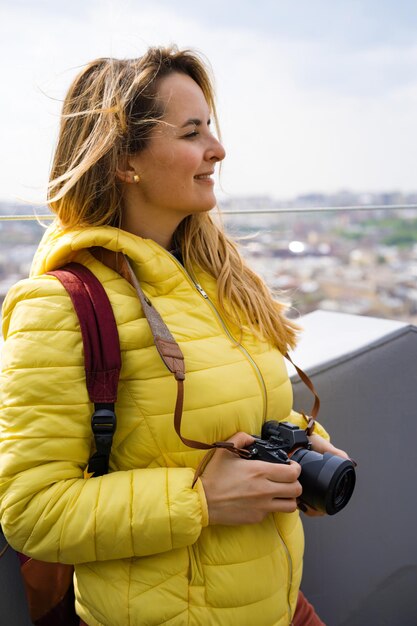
(110, 111)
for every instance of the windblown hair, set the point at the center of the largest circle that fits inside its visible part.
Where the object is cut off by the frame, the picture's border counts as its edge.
(110, 111)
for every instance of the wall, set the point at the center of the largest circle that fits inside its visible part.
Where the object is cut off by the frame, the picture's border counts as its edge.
(361, 564)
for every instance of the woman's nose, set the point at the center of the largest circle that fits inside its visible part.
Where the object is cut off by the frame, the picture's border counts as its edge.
(216, 152)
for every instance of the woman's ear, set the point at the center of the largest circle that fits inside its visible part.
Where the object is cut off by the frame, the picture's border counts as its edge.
(126, 173)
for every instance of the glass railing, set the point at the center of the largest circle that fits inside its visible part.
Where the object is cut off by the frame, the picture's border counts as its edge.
(359, 259)
(352, 259)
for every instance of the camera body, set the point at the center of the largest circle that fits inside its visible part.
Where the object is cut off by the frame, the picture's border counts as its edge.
(327, 480)
(277, 441)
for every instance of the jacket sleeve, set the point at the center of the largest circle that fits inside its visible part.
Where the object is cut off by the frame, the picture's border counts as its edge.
(49, 508)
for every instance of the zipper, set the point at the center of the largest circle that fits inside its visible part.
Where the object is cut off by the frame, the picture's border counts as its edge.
(264, 395)
(193, 281)
(238, 345)
(201, 290)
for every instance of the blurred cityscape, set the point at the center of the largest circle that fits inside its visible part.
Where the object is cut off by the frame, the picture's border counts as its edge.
(353, 261)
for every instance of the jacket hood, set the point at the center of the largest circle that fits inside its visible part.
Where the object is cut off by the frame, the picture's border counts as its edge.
(59, 247)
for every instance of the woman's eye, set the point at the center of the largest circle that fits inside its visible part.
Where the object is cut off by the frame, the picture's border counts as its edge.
(194, 133)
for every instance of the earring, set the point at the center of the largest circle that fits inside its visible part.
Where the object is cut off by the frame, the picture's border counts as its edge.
(136, 178)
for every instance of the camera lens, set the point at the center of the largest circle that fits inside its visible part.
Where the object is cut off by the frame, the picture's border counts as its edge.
(344, 488)
(327, 480)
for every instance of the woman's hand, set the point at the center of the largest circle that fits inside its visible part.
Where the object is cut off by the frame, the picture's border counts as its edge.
(239, 491)
(319, 444)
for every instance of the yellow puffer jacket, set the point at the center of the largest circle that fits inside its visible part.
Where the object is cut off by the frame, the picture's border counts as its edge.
(140, 538)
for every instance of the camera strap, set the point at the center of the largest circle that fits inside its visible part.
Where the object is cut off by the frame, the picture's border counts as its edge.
(316, 406)
(172, 356)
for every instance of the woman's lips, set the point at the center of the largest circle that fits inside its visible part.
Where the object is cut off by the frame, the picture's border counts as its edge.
(205, 178)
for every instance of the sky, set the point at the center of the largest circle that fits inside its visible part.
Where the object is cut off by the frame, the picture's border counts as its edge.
(313, 95)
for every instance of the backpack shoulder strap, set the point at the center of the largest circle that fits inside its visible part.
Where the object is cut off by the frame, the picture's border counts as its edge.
(102, 359)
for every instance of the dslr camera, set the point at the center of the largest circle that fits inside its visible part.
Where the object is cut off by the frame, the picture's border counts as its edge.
(327, 480)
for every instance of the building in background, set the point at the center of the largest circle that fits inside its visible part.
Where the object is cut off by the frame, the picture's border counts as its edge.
(346, 260)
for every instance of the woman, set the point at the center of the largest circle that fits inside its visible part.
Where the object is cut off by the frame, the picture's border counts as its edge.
(133, 174)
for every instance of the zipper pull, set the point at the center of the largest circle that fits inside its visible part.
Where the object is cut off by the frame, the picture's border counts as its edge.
(201, 290)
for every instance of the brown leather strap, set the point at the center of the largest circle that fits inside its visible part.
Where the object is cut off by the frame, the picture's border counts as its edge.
(166, 345)
(173, 358)
(316, 406)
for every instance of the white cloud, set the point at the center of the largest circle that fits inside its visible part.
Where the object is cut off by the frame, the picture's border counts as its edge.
(296, 116)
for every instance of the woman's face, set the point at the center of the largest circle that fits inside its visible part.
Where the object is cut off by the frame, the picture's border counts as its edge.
(176, 168)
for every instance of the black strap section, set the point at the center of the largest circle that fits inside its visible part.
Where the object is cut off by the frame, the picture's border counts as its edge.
(103, 425)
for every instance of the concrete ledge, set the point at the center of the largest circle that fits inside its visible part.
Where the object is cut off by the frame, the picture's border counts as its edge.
(328, 338)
